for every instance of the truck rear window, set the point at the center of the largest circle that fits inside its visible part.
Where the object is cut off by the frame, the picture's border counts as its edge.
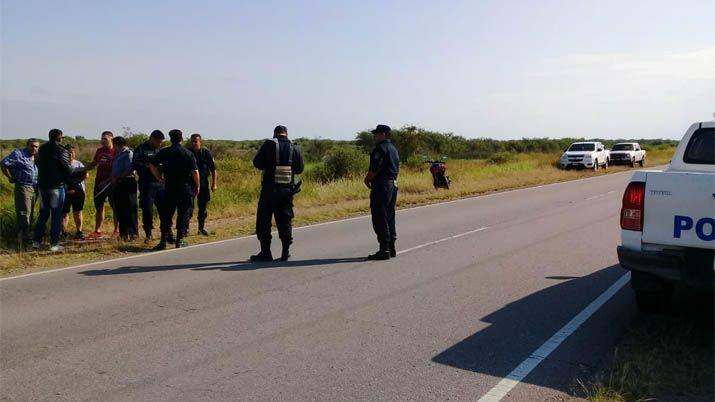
(701, 148)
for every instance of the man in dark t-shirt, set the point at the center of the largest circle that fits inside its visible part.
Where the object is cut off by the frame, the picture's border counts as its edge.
(206, 166)
(176, 167)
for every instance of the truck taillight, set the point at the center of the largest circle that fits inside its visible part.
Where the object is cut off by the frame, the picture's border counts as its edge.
(632, 209)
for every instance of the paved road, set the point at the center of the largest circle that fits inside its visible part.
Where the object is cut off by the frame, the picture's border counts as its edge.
(445, 320)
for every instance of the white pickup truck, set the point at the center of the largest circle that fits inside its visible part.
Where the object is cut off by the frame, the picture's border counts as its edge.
(627, 153)
(589, 155)
(668, 222)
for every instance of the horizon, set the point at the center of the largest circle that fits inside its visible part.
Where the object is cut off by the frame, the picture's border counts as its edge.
(234, 70)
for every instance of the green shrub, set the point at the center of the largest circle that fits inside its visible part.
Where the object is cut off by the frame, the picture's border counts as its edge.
(341, 163)
(501, 158)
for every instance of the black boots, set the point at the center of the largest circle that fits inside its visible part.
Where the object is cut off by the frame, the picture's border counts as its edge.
(162, 243)
(382, 254)
(202, 229)
(393, 250)
(265, 254)
(285, 254)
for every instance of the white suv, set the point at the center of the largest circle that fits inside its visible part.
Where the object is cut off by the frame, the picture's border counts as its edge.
(589, 155)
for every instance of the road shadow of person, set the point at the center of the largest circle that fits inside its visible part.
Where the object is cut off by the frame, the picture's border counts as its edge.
(519, 328)
(225, 266)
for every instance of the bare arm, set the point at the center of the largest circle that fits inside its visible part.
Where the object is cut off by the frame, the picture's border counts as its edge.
(156, 172)
(214, 178)
(197, 181)
(369, 177)
(6, 172)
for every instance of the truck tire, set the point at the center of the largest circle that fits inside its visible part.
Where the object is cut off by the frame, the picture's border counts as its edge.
(653, 301)
(605, 165)
(652, 293)
(642, 162)
(633, 162)
(595, 165)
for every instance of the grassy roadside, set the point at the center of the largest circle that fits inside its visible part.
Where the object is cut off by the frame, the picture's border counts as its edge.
(664, 357)
(231, 212)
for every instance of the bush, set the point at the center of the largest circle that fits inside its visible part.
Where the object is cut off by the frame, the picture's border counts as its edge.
(342, 163)
(501, 158)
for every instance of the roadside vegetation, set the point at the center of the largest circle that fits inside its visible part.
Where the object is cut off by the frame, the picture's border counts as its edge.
(332, 189)
(663, 357)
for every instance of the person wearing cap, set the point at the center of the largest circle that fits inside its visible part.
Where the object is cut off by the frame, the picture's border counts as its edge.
(151, 190)
(381, 179)
(175, 166)
(207, 166)
(280, 160)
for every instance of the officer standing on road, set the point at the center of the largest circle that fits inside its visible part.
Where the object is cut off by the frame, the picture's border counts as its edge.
(176, 167)
(150, 188)
(280, 160)
(206, 165)
(381, 179)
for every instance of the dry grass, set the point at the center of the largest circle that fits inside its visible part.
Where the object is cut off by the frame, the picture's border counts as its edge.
(231, 212)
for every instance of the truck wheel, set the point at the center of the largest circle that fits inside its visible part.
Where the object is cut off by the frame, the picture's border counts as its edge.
(642, 162)
(653, 301)
(595, 165)
(633, 162)
(605, 166)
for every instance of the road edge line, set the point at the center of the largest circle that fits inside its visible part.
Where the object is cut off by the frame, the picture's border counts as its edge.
(542, 352)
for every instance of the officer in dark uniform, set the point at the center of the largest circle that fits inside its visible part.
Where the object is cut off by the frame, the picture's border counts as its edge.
(381, 179)
(176, 167)
(280, 160)
(206, 165)
(150, 188)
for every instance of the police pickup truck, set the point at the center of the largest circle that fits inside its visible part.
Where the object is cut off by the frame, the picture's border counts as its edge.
(627, 153)
(589, 155)
(668, 222)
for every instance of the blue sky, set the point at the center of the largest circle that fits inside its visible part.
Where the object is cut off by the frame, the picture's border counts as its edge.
(235, 69)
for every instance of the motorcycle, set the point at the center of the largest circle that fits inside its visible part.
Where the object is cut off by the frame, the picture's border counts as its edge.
(438, 169)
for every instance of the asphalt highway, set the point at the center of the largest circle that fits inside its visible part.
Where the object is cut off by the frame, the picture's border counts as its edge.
(479, 285)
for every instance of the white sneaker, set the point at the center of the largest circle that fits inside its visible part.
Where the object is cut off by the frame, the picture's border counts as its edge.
(36, 245)
(56, 248)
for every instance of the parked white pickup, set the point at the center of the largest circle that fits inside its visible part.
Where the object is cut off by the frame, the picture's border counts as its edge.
(668, 221)
(589, 155)
(627, 153)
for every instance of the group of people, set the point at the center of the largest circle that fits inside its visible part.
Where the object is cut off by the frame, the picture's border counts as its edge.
(51, 173)
(171, 179)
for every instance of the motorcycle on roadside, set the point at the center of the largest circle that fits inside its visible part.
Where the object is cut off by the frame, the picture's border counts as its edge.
(438, 169)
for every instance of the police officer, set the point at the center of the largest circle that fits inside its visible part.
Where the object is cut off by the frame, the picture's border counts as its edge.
(150, 188)
(280, 160)
(206, 165)
(176, 167)
(381, 179)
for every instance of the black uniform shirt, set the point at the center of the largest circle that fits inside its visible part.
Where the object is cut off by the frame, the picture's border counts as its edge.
(178, 163)
(143, 156)
(385, 161)
(205, 162)
(266, 159)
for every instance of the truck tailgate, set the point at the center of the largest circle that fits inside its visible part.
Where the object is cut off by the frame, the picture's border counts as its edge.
(680, 209)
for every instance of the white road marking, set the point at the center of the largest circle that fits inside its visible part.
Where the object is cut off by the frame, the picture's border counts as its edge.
(498, 193)
(524, 368)
(441, 240)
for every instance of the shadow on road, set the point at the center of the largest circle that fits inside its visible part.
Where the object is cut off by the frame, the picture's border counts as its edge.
(226, 266)
(520, 327)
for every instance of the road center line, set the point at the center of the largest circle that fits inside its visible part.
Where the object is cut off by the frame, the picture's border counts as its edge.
(524, 368)
(442, 240)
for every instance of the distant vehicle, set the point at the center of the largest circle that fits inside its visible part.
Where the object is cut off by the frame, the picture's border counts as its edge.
(627, 153)
(668, 221)
(589, 155)
(438, 169)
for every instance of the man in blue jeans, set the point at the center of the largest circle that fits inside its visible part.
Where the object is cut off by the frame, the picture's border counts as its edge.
(53, 170)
